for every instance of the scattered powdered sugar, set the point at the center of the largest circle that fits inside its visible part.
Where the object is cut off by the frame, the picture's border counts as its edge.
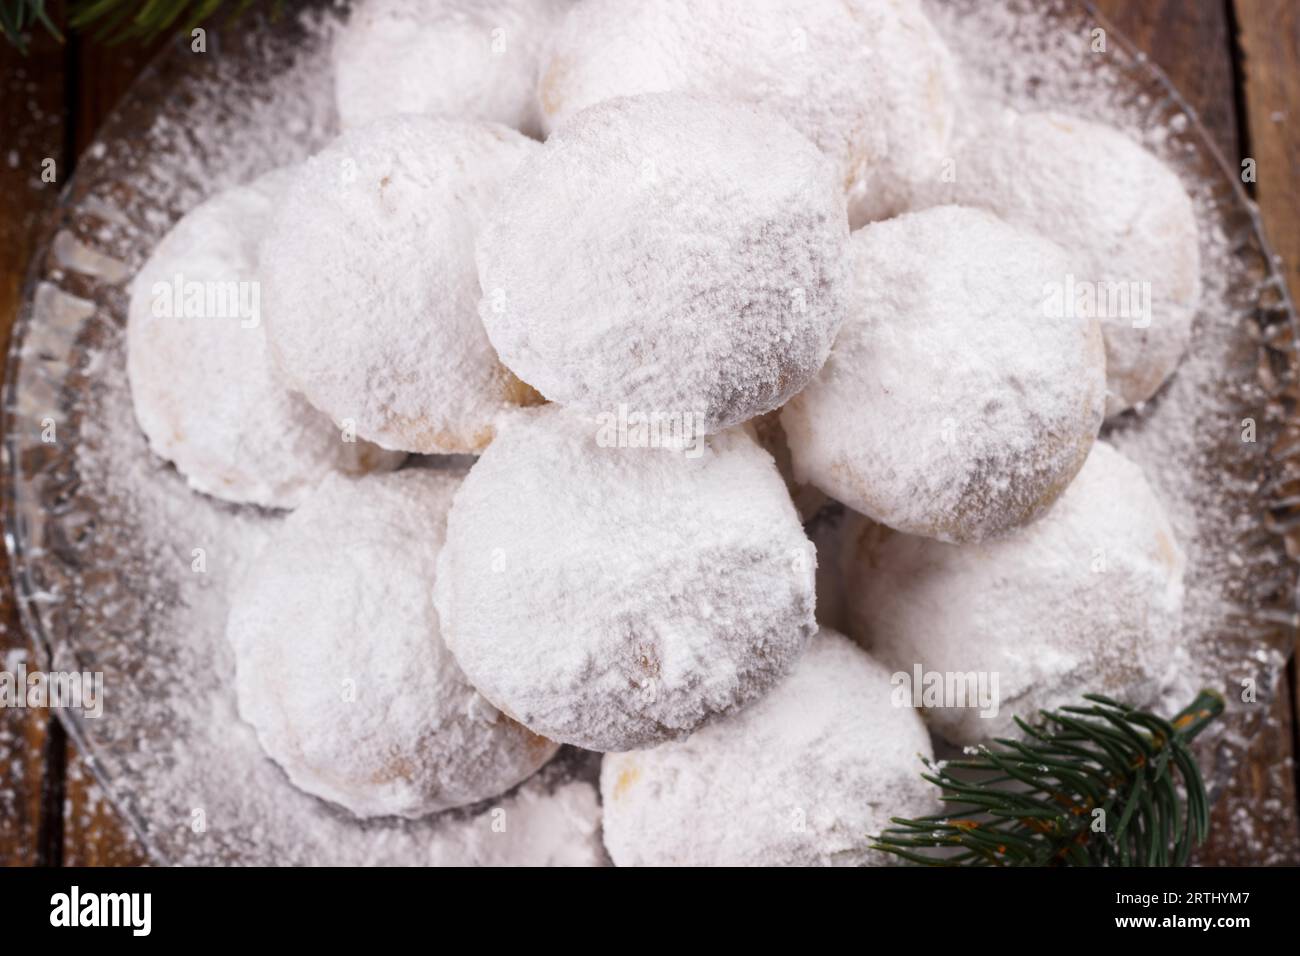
(869, 82)
(1190, 440)
(340, 667)
(404, 360)
(803, 777)
(674, 253)
(952, 405)
(108, 533)
(472, 59)
(131, 573)
(199, 780)
(616, 597)
(1084, 600)
(204, 389)
(531, 828)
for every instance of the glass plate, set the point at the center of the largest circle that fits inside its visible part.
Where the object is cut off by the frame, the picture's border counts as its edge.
(102, 536)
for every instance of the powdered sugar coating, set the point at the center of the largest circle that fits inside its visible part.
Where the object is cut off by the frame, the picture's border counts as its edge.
(1087, 600)
(616, 597)
(370, 287)
(670, 252)
(952, 405)
(869, 81)
(340, 666)
(469, 59)
(1120, 210)
(204, 388)
(803, 777)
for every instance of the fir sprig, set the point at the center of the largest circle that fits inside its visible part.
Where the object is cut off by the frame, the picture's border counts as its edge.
(18, 16)
(115, 20)
(1035, 802)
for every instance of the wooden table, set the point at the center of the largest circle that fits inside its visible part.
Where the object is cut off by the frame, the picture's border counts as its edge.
(1237, 62)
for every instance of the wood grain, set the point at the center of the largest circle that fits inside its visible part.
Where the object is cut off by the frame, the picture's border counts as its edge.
(50, 809)
(1255, 820)
(1269, 37)
(1191, 43)
(94, 834)
(62, 96)
(32, 130)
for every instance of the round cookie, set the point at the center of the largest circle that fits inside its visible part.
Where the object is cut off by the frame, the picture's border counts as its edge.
(1120, 211)
(670, 253)
(370, 287)
(613, 597)
(952, 405)
(466, 59)
(201, 379)
(870, 82)
(340, 666)
(803, 777)
(1085, 600)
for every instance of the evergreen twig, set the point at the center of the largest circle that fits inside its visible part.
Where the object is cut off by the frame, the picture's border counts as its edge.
(1035, 802)
(116, 20)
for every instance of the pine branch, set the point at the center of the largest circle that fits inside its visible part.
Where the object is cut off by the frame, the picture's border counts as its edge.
(18, 16)
(116, 20)
(1100, 785)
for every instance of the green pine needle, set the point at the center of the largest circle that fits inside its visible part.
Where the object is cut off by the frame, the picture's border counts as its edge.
(18, 16)
(1034, 802)
(116, 20)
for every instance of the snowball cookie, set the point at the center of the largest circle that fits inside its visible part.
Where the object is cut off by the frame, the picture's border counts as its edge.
(339, 662)
(952, 405)
(671, 253)
(370, 286)
(1125, 215)
(1085, 600)
(470, 59)
(613, 597)
(203, 385)
(806, 776)
(869, 81)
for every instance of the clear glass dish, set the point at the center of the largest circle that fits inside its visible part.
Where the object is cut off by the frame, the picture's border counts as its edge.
(101, 535)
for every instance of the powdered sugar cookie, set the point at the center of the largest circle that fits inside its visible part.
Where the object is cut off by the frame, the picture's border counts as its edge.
(803, 777)
(614, 597)
(870, 82)
(670, 253)
(340, 666)
(1125, 216)
(468, 59)
(202, 382)
(370, 286)
(1085, 600)
(954, 404)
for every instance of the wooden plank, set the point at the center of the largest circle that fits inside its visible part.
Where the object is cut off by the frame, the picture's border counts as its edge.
(1257, 818)
(1268, 38)
(32, 130)
(1254, 822)
(102, 74)
(94, 834)
(1191, 42)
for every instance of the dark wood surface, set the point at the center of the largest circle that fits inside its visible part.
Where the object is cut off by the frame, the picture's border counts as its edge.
(1236, 61)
